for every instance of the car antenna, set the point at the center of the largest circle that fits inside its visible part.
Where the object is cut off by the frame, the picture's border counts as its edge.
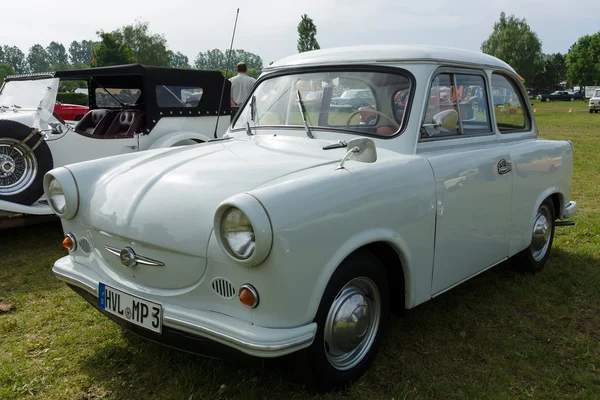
(226, 71)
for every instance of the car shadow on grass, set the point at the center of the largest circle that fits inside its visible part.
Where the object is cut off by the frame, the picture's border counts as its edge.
(451, 344)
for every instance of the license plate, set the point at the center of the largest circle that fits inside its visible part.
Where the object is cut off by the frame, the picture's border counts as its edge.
(141, 312)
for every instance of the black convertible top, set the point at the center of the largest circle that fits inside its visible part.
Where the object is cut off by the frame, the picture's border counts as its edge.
(147, 78)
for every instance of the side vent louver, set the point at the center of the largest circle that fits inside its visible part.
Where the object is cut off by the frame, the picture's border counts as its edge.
(223, 288)
(85, 245)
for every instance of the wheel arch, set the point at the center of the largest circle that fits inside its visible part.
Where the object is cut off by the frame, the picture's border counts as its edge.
(390, 249)
(175, 137)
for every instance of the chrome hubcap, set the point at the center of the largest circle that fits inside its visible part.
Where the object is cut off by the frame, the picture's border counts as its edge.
(541, 233)
(352, 323)
(18, 167)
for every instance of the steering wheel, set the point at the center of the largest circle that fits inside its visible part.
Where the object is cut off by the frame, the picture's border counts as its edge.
(394, 123)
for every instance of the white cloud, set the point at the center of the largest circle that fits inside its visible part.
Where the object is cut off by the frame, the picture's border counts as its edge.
(268, 27)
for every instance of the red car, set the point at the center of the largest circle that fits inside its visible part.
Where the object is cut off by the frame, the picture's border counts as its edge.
(70, 112)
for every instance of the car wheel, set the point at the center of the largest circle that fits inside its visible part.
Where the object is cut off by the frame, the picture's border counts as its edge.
(24, 160)
(547, 99)
(350, 320)
(591, 111)
(572, 99)
(534, 257)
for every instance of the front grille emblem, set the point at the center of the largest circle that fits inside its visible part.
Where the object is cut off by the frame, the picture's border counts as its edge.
(130, 259)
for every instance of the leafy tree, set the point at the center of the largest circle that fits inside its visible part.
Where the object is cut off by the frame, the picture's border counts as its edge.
(178, 60)
(253, 61)
(551, 74)
(111, 51)
(81, 52)
(147, 47)
(1, 55)
(212, 59)
(37, 59)
(513, 41)
(5, 70)
(583, 61)
(14, 57)
(307, 35)
(57, 55)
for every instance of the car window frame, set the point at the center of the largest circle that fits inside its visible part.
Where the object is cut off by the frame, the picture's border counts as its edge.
(524, 105)
(488, 95)
(395, 70)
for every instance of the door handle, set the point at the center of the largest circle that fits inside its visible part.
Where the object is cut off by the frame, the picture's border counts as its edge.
(504, 166)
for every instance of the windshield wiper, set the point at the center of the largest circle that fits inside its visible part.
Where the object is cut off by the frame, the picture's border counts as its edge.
(302, 111)
(337, 145)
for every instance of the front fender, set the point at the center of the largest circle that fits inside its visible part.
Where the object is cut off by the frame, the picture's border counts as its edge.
(179, 138)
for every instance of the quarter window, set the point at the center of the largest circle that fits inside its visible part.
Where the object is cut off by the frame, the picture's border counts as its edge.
(508, 106)
(109, 99)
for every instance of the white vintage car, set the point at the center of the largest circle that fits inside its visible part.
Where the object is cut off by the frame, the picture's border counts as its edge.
(132, 108)
(303, 230)
(594, 104)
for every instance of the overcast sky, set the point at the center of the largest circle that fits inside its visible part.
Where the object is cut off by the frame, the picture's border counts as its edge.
(268, 27)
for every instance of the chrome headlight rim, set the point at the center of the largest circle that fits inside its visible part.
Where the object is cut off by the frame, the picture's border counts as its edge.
(70, 192)
(253, 210)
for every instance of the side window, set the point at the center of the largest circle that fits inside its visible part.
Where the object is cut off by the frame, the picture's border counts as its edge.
(508, 106)
(178, 96)
(473, 106)
(106, 100)
(440, 99)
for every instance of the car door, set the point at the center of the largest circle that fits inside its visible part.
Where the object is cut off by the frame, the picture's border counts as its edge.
(473, 183)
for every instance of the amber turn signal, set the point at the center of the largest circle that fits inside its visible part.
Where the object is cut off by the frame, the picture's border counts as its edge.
(69, 242)
(248, 296)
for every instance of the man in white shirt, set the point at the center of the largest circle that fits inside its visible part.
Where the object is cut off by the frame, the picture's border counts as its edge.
(241, 84)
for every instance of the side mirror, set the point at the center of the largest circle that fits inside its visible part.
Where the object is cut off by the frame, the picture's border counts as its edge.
(361, 150)
(447, 119)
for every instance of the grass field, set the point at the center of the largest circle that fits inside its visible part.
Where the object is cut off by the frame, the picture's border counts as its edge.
(501, 335)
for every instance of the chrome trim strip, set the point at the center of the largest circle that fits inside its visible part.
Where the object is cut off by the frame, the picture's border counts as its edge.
(138, 259)
(299, 342)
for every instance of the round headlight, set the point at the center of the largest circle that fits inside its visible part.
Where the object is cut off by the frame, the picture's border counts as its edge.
(237, 234)
(56, 196)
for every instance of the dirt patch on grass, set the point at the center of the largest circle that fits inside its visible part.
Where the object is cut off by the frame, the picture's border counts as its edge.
(6, 307)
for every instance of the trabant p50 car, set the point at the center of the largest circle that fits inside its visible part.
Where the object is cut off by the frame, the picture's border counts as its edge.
(301, 230)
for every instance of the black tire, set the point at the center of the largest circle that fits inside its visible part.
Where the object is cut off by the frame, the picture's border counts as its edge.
(525, 261)
(11, 133)
(591, 111)
(572, 99)
(362, 264)
(547, 99)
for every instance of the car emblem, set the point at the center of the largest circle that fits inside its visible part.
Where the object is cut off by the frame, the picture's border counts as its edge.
(130, 259)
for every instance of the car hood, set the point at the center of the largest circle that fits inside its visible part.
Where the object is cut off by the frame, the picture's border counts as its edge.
(24, 117)
(169, 198)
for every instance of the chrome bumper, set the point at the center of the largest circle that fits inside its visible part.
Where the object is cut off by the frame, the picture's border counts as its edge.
(250, 339)
(569, 210)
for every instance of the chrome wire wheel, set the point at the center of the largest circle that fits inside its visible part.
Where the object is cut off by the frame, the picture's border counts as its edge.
(542, 232)
(352, 323)
(18, 167)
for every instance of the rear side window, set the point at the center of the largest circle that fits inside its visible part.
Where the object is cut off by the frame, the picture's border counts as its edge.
(112, 98)
(508, 105)
(178, 96)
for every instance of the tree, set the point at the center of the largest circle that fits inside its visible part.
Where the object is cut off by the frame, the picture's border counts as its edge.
(178, 60)
(5, 70)
(551, 74)
(81, 52)
(111, 51)
(514, 42)
(1, 55)
(57, 55)
(212, 59)
(583, 61)
(147, 48)
(37, 59)
(307, 35)
(14, 57)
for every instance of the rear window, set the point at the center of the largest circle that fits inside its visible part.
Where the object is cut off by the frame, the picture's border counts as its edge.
(113, 97)
(178, 96)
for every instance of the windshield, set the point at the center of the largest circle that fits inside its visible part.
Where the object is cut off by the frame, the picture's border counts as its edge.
(25, 94)
(597, 93)
(371, 103)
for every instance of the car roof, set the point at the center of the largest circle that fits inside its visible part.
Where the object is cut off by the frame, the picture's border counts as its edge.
(390, 54)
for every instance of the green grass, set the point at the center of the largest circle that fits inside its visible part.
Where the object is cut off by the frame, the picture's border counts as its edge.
(502, 335)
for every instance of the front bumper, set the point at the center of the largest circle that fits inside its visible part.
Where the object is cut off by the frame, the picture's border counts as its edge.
(231, 332)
